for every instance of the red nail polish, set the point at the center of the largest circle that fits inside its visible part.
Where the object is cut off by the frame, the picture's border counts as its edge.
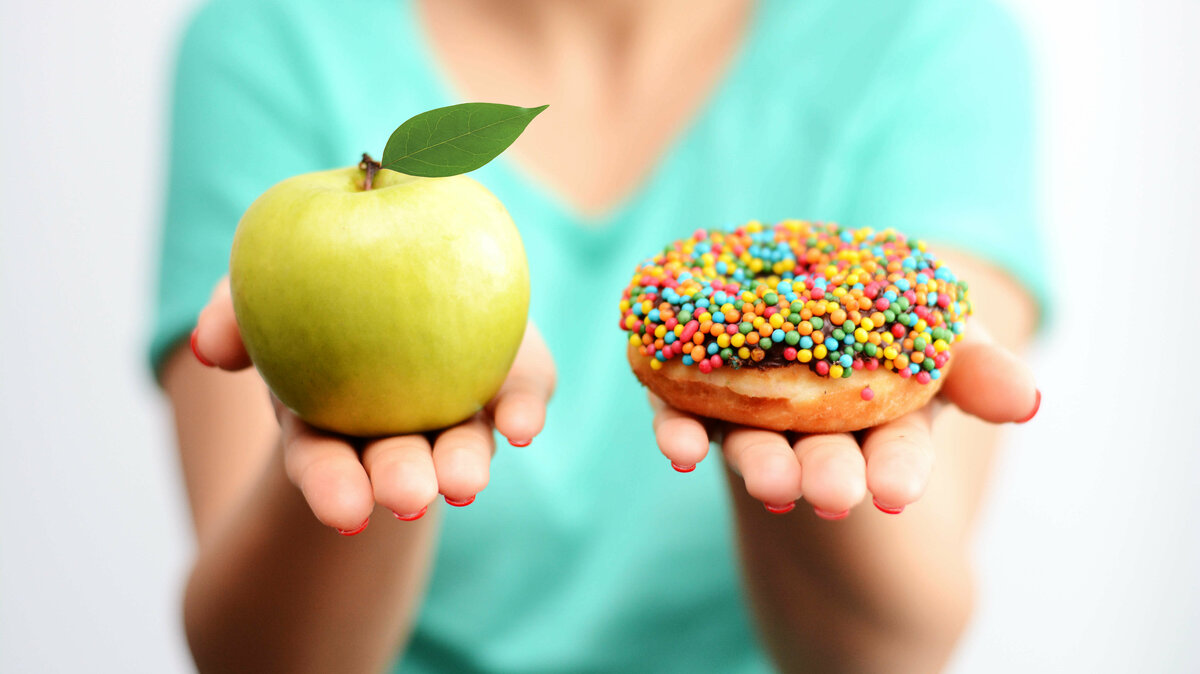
(1037, 405)
(779, 510)
(411, 516)
(683, 469)
(519, 443)
(358, 530)
(196, 352)
(891, 510)
(826, 515)
(460, 504)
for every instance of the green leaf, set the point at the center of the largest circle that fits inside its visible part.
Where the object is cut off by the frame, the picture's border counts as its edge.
(455, 139)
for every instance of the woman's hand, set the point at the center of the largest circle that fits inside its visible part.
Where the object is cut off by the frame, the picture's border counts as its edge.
(342, 482)
(833, 472)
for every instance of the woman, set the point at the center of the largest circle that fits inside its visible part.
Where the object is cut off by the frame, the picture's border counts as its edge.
(586, 552)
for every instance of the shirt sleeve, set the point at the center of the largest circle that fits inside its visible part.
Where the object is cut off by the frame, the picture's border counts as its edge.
(948, 152)
(242, 118)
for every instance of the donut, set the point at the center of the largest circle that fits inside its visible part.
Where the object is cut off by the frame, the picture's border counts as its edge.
(802, 326)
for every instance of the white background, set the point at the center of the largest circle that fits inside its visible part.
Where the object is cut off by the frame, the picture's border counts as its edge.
(1089, 550)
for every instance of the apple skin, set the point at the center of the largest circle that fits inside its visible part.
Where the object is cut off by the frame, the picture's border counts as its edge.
(394, 310)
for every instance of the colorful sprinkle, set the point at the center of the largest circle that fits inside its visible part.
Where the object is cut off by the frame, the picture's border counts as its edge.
(867, 394)
(836, 300)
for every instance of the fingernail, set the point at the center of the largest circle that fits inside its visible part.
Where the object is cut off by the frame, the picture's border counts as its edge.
(683, 469)
(519, 443)
(891, 510)
(411, 516)
(826, 515)
(779, 509)
(1037, 405)
(357, 530)
(459, 504)
(196, 352)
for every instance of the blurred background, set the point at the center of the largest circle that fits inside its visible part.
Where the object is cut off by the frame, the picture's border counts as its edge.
(1089, 547)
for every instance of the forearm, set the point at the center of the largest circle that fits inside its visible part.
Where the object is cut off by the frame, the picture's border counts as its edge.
(276, 590)
(873, 592)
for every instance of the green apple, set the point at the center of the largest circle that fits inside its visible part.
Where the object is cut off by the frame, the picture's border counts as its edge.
(381, 311)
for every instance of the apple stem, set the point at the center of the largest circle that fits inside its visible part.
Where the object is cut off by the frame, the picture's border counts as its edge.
(371, 167)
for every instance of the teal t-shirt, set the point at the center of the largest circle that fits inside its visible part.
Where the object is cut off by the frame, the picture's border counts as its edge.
(587, 552)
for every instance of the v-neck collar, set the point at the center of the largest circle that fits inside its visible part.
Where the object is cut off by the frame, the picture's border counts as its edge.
(438, 81)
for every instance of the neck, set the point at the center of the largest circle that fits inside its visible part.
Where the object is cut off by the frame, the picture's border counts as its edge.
(616, 22)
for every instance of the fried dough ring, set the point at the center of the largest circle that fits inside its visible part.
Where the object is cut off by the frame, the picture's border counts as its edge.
(787, 398)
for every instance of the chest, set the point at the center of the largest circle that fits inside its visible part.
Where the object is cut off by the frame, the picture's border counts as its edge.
(619, 96)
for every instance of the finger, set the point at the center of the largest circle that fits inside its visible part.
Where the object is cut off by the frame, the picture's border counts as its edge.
(766, 462)
(519, 408)
(899, 456)
(216, 340)
(680, 436)
(834, 473)
(328, 472)
(461, 458)
(988, 381)
(402, 475)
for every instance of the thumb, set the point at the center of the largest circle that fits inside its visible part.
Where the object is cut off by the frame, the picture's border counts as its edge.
(990, 382)
(216, 340)
(519, 407)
